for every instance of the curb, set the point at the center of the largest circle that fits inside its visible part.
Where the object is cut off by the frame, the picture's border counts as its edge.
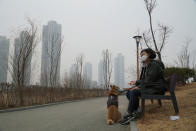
(43, 105)
(133, 126)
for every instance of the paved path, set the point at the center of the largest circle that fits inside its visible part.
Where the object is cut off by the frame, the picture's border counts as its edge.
(86, 115)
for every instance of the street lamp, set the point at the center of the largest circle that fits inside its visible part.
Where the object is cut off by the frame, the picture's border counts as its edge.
(137, 39)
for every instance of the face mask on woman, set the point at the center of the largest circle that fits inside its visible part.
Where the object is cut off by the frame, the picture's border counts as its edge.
(144, 58)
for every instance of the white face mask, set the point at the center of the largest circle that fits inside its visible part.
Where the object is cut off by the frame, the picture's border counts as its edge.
(144, 58)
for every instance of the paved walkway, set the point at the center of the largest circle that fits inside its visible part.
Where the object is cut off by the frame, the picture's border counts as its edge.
(86, 115)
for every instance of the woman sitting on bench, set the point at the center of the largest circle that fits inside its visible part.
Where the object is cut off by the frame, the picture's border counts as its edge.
(151, 82)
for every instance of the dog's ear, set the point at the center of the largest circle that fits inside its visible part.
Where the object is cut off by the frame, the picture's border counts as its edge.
(110, 93)
(111, 86)
(116, 87)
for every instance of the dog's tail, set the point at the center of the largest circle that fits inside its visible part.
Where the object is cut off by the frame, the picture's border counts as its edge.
(110, 122)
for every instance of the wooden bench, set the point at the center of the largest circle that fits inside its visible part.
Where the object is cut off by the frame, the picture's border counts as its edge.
(172, 97)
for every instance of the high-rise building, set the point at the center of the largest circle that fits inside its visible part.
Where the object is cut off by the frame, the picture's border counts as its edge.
(88, 71)
(100, 73)
(119, 76)
(4, 54)
(51, 54)
(21, 47)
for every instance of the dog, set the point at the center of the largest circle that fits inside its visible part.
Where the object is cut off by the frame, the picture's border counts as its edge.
(113, 114)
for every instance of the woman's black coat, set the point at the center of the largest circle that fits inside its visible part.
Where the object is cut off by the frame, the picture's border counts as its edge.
(152, 78)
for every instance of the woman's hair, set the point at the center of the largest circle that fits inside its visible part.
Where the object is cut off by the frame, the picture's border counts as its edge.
(150, 52)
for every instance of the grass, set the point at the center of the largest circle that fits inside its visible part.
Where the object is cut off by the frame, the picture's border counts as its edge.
(157, 118)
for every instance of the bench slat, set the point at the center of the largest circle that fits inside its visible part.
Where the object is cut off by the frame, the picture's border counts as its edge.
(156, 97)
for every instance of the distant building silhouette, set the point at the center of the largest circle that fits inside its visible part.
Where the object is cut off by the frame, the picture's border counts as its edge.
(94, 84)
(88, 74)
(119, 76)
(88, 71)
(4, 54)
(72, 70)
(51, 59)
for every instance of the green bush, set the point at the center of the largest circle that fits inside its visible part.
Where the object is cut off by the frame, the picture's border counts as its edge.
(182, 73)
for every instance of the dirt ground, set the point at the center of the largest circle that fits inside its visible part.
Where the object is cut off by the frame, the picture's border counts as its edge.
(158, 118)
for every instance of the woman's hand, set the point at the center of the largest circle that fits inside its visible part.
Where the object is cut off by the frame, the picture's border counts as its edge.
(127, 89)
(132, 83)
(135, 88)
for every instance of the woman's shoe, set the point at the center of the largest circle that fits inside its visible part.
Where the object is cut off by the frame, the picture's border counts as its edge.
(134, 116)
(127, 121)
(125, 117)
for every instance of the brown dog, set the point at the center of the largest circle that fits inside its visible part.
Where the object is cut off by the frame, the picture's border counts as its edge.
(113, 115)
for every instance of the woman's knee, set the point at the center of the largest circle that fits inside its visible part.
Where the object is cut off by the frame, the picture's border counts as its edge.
(135, 94)
(129, 94)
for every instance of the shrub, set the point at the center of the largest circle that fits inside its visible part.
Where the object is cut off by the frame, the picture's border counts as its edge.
(182, 73)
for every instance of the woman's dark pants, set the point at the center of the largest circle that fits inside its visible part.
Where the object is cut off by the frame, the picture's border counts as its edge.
(133, 97)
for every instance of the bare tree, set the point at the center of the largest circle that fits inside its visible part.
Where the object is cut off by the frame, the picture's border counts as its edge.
(107, 68)
(50, 76)
(21, 59)
(87, 82)
(163, 31)
(147, 39)
(79, 71)
(77, 78)
(184, 56)
(4, 50)
(194, 63)
(66, 81)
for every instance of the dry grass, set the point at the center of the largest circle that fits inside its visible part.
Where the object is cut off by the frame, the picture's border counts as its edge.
(10, 96)
(157, 118)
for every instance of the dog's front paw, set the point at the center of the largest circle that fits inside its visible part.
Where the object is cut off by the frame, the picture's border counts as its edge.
(110, 122)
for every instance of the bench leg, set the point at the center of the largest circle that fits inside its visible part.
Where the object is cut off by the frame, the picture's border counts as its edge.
(160, 103)
(175, 103)
(143, 106)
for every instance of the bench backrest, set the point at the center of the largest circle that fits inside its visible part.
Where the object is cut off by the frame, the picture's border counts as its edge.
(172, 82)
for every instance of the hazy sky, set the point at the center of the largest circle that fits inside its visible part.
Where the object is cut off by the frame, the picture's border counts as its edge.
(89, 26)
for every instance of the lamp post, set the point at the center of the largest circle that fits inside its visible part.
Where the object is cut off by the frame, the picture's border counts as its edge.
(137, 38)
